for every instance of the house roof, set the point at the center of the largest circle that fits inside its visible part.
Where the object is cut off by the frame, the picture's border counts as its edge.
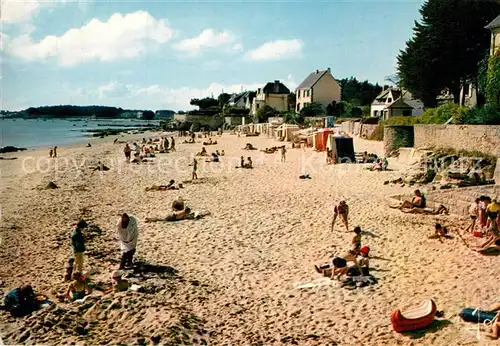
(275, 87)
(236, 97)
(395, 93)
(312, 79)
(399, 103)
(494, 24)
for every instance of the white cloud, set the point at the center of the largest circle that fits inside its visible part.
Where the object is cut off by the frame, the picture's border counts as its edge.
(277, 50)
(121, 36)
(14, 11)
(114, 90)
(208, 38)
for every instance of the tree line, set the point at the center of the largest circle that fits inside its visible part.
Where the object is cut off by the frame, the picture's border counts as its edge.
(69, 111)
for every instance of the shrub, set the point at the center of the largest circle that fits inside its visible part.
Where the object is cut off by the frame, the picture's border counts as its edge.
(487, 115)
(378, 133)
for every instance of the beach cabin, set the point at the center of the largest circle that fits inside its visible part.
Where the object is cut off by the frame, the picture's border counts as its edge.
(343, 147)
(321, 139)
(285, 131)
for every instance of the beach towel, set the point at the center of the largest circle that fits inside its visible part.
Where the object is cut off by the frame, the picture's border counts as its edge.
(128, 236)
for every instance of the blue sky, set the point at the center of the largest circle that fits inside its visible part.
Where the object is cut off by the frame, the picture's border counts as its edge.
(159, 55)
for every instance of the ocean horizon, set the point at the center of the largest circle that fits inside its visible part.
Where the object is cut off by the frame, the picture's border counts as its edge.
(36, 133)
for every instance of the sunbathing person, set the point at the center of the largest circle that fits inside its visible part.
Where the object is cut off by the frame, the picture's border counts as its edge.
(339, 265)
(100, 167)
(178, 215)
(78, 288)
(215, 158)
(203, 152)
(249, 163)
(249, 146)
(428, 211)
(418, 201)
(170, 186)
(495, 323)
(222, 153)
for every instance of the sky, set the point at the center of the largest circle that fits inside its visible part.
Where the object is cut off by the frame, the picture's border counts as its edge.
(160, 54)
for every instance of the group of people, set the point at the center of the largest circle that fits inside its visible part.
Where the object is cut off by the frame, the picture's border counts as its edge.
(148, 148)
(128, 234)
(53, 152)
(485, 215)
(358, 255)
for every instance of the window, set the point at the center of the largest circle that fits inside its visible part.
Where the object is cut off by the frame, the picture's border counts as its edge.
(375, 113)
(406, 112)
(298, 106)
(389, 100)
(307, 93)
(258, 105)
(298, 93)
(467, 90)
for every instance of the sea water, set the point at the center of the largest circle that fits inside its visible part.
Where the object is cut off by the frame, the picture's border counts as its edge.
(34, 133)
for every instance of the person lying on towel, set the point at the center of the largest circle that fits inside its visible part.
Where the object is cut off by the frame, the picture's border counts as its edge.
(339, 265)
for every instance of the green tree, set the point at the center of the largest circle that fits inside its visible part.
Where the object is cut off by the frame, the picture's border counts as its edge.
(264, 113)
(446, 47)
(205, 103)
(223, 98)
(292, 117)
(493, 80)
(148, 115)
(358, 93)
(312, 110)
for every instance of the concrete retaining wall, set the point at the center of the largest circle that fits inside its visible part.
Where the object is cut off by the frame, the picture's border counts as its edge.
(484, 138)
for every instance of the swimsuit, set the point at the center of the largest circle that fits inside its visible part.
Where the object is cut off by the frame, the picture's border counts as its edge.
(78, 295)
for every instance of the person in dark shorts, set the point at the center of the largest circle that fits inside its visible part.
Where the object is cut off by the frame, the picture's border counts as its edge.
(341, 209)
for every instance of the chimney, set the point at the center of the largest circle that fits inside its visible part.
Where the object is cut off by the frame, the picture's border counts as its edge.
(317, 71)
(329, 71)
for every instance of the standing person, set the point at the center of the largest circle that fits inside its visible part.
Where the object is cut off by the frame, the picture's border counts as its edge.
(341, 209)
(484, 201)
(283, 154)
(78, 245)
(473, 213)
(137, 150)
(127, 152)
(493, 215)
(55, 152)
(166, 144)
(195, 168)
(356, 240)
(128, 233)
(172, 144)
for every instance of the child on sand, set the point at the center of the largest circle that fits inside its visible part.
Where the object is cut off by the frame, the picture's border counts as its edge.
(341, 209)
(283, 154)
(51, 152)
(78, 288)
(78, 245)
(119, 284)
(356, 240)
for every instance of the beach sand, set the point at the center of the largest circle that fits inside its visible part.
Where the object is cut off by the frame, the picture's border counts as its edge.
(232, 277)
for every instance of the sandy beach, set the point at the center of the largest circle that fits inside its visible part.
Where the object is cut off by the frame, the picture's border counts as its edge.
(232, 277)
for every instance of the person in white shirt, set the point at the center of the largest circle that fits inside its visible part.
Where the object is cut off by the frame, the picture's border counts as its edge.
(128, 233)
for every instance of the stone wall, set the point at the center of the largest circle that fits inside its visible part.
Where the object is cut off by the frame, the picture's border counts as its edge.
(357, 128)
(396, 137)
(483, 138)
(458, 200)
